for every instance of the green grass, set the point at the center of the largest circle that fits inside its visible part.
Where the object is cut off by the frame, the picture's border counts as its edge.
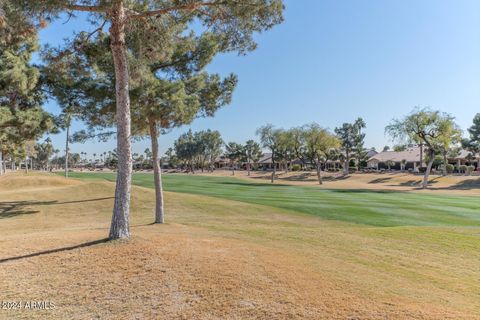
(367, 207)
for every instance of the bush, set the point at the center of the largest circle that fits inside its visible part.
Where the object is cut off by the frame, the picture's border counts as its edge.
(296, 167)
(462, 168)
(470, 169)
(450, 168)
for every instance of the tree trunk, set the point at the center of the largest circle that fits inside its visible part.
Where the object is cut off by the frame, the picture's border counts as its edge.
(445, 163)
(427, 172)
(1, 163)
(157, 173)
(347, 164)
(119, 228)
(66, 149)
(319, 173)
(421, 155)
(26, 165)
(248, 169)
(274, 169)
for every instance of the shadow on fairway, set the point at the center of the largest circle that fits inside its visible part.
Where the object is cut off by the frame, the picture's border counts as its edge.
(254, 184)
(17, 208)
(10, 209)
(353, 191)
(81, 201)
(379, 180)
(463, 185)
(41, 253)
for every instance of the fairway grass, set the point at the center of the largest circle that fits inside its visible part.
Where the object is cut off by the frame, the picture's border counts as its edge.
(368, 207)
(220, 257)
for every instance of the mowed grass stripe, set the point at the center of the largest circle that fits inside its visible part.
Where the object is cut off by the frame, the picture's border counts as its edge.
(368, 207)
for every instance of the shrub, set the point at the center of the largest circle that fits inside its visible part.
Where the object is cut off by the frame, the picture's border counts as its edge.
(296, 167)
(470, 169)
(450, 168)
(462, 168)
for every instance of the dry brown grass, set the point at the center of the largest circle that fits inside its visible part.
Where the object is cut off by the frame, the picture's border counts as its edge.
(219, 259)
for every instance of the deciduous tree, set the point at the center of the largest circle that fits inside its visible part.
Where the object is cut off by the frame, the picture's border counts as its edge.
(436, 130)
(319, 142)
(351, 137)
(251, 153)
(269, 138)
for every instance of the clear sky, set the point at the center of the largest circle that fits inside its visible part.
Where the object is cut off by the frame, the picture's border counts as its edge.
(333, 61)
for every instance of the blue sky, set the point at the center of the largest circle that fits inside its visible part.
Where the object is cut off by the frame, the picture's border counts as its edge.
(332, 61)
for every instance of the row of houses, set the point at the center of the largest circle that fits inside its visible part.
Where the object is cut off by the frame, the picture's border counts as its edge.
(409, 159)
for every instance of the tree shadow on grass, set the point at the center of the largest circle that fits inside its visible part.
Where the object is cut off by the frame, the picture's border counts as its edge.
(379, 180)
(305, 176)
(16, 208)
(463, 185)
(353, 191)
(41, 253)
(85, 200)
(9, 209)
(254, 184)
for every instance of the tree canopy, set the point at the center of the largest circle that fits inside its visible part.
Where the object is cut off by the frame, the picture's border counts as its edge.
(21, 115)
(436, 130)
(146, 26)
(351, 137)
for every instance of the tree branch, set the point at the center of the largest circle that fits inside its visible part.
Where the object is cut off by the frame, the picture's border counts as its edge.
(74, 7)
(190, 6)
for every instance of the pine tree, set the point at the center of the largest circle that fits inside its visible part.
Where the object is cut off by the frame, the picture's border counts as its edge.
(145, 24)
(21, 115)
(473, 143)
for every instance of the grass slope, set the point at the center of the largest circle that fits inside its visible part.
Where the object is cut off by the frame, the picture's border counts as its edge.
(375, 208)
(222, 259)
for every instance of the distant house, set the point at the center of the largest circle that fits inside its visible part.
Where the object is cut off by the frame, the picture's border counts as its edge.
(399, 160)
(222, 162)
(371, 153)
(410, 159)
(266, 163)
(465, 158)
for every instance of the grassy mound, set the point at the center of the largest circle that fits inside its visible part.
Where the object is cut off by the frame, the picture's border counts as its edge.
(16, 181)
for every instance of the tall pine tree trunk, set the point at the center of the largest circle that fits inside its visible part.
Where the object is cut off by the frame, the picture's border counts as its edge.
(66, 150)
(157, 173)
(119, 228)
